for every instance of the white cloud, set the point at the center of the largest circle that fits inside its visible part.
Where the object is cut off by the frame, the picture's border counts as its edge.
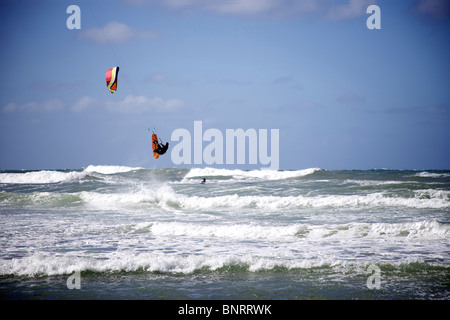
(47, 106)
(327, 9)
(158, 78)
(115, 32)
(141, 104)
(83, 104)
(230, 7)
(350, 10)
(130, 104)
(248, 7)
(10, 107)
(52, 105)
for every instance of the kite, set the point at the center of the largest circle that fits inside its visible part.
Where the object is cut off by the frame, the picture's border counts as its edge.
(111, 79)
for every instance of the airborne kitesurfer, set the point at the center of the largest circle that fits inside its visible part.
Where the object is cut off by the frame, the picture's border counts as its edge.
(162, 148)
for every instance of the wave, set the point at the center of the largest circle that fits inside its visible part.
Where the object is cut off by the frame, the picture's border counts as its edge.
(265, 174)
(430, 230)
(41, 177)
(147, 197)
(102, 169)
(43, 264)
(166, 197)
(231, 231)
(435, 200)
(306, 237)
(56, 176)
(432, 194)
(425, 174)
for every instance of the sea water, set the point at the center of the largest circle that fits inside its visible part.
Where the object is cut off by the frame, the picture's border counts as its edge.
(136, 233)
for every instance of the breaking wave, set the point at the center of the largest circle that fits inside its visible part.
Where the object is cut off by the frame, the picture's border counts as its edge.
(296, 242)
(42, 264)
(241, 174)
(421, 229)
(110, 169)
(56, 176)
(41, 177)
(165, 196)
(425, 174)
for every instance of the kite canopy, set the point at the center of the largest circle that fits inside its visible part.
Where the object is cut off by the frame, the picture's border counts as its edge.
(111, 79)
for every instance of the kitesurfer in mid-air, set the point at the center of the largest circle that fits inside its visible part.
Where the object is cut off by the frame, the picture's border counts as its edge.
(162, 148)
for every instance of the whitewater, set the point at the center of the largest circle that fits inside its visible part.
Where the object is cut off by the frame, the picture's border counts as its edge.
(137, 233)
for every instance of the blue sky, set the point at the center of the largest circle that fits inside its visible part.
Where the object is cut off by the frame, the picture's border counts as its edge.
(341, 95)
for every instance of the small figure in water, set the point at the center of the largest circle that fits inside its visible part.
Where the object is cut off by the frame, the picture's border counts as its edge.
(162, 148)
(203, 181)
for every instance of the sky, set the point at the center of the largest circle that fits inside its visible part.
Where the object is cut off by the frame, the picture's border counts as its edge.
(342, 96)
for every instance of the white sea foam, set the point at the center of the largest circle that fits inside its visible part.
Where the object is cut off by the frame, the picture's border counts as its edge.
(370, 183)
(44, 264)
(433, 194)
(292, 202)
(55, 176)
(425, 174)
(165, 195)
(144, 222)
(131, 195)
(110, 169)
(241, 174)
(421, 229)
(254, 247)
(232, 231)
(43, 176)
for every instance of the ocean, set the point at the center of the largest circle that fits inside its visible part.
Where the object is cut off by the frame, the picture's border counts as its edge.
(115, 232)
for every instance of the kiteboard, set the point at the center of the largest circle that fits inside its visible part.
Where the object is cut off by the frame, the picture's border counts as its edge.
(155, 145)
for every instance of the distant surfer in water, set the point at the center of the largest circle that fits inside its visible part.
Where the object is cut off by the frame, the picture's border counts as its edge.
(203, 181)
(162, 148)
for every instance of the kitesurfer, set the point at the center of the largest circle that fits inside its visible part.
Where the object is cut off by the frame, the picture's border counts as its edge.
(203, 181)
(162, 148)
